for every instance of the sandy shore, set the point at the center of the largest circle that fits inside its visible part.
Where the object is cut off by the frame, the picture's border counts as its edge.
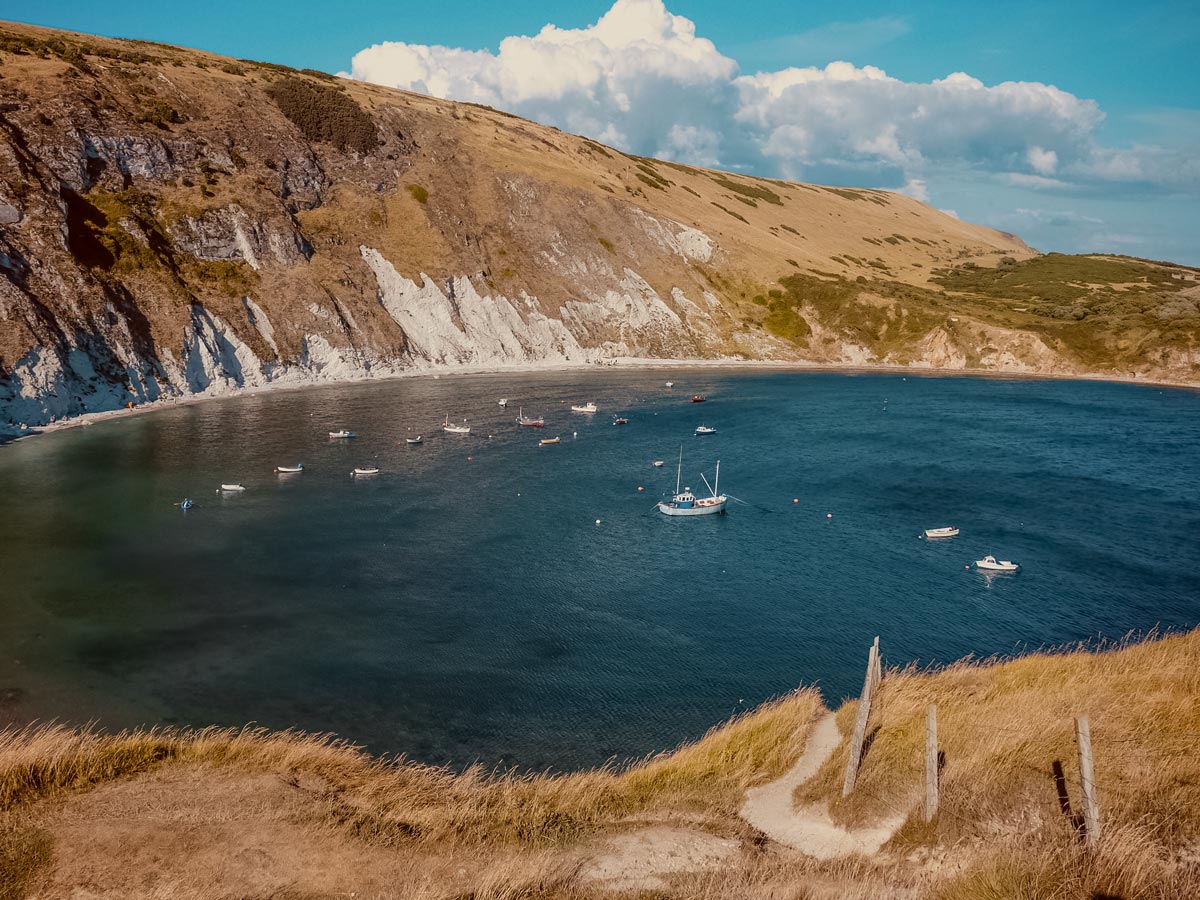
(614, 363)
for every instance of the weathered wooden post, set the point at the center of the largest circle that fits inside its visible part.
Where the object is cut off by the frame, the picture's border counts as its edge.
(860, 721)
(1087, 782)
(931, 763)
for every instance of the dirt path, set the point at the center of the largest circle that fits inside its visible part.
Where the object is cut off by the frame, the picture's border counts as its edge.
(810, 828)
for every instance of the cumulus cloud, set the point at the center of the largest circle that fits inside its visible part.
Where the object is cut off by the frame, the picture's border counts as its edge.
(641, 79)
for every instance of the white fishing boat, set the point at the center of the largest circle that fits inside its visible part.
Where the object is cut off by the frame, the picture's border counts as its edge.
(670, 384)
(933, 534)
(588, 407)
(685, 503)
(417, 440)
(342, 434)
(704, 429)
(366, 470)
(503, 401)
(450, 428)
(231, 488)
(658, 464)
(990, 564)
(289, 470)
(529, 421)
(554, 440)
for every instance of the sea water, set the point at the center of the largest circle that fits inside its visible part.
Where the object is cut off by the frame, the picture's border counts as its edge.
(466, 605)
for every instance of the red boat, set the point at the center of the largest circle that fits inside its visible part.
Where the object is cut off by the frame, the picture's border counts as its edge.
(620, 420)
(698, 398)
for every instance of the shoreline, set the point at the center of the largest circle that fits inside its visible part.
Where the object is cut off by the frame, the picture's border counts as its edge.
(624, 362)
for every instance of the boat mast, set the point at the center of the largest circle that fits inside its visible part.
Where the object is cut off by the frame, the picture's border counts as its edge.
(717, 478)
(679, 470)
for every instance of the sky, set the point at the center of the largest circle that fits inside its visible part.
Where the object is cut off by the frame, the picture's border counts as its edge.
(1075, 125)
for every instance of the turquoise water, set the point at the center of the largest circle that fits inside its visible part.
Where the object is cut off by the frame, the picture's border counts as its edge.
(459, 609)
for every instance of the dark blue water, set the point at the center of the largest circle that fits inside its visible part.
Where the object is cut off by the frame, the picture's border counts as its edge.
(458, 610)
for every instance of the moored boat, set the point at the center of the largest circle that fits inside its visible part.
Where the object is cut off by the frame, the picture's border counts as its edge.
(705, 429)
(289, 470)
(342, 434)
(186, 504)
(934, 534)
(658, 463)
(620, 420)
(554, 440)
(503, 401)
(697, 398)
(990, 564)
(588, 407)
(670, 384)
(529, 421)
(366, 470)
(418, 439)
(685, 503)
(450, 428)
(231, 488)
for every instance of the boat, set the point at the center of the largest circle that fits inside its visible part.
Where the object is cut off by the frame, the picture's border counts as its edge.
(554, 440)
(670, 384)
(588, 407)
(933, 534)
(231, 488)
(503, 401)
(366, 470)
(289, 470)
(685, 503)
(186, 504)
(342, 434)
(697, 398)
(450, 428)
(418, 439)
(658, 464)
(529, 421)
(705, 429)
(620, 420)
(990, 564)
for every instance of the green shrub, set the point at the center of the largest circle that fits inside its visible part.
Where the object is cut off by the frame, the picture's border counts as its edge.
(324, 114)
(753, 191)
(418, 193)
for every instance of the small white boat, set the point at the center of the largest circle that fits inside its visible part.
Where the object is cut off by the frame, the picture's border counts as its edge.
(704, 429)
(503, 401)
(933, 534)
(658, 464)
(231, 488)
(418, 439)
(289, 470)
(450, 428)
(685, 503)
(342, 434)
(670, 384)
(991, 564)
(366, 470)
(588, 407)
(554, 440)
(529, 421)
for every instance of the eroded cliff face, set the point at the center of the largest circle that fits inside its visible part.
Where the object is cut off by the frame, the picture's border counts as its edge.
(171, 224)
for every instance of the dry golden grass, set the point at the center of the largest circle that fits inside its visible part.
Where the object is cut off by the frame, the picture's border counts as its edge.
(1007, 732)
(1003, 831)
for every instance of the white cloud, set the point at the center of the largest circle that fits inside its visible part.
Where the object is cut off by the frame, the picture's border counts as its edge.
(640, 78)
(915, 188)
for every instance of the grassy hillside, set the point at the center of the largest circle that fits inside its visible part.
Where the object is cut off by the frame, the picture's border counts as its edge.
(221, 813)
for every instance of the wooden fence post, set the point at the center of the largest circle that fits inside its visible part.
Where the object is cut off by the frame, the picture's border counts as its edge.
(860, 721)
(1087, 781)
(931, 763)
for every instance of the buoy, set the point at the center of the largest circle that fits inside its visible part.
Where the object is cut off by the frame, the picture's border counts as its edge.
(470, 458)
(640, 488)
(829, 515)
(597, 521)
(795, 499)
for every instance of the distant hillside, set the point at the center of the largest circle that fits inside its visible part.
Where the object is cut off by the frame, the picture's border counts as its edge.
(174, 222)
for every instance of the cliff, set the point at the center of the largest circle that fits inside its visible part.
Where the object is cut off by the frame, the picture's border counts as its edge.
(174, 222)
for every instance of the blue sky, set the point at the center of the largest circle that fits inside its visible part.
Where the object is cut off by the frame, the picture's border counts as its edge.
(1109, 161)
